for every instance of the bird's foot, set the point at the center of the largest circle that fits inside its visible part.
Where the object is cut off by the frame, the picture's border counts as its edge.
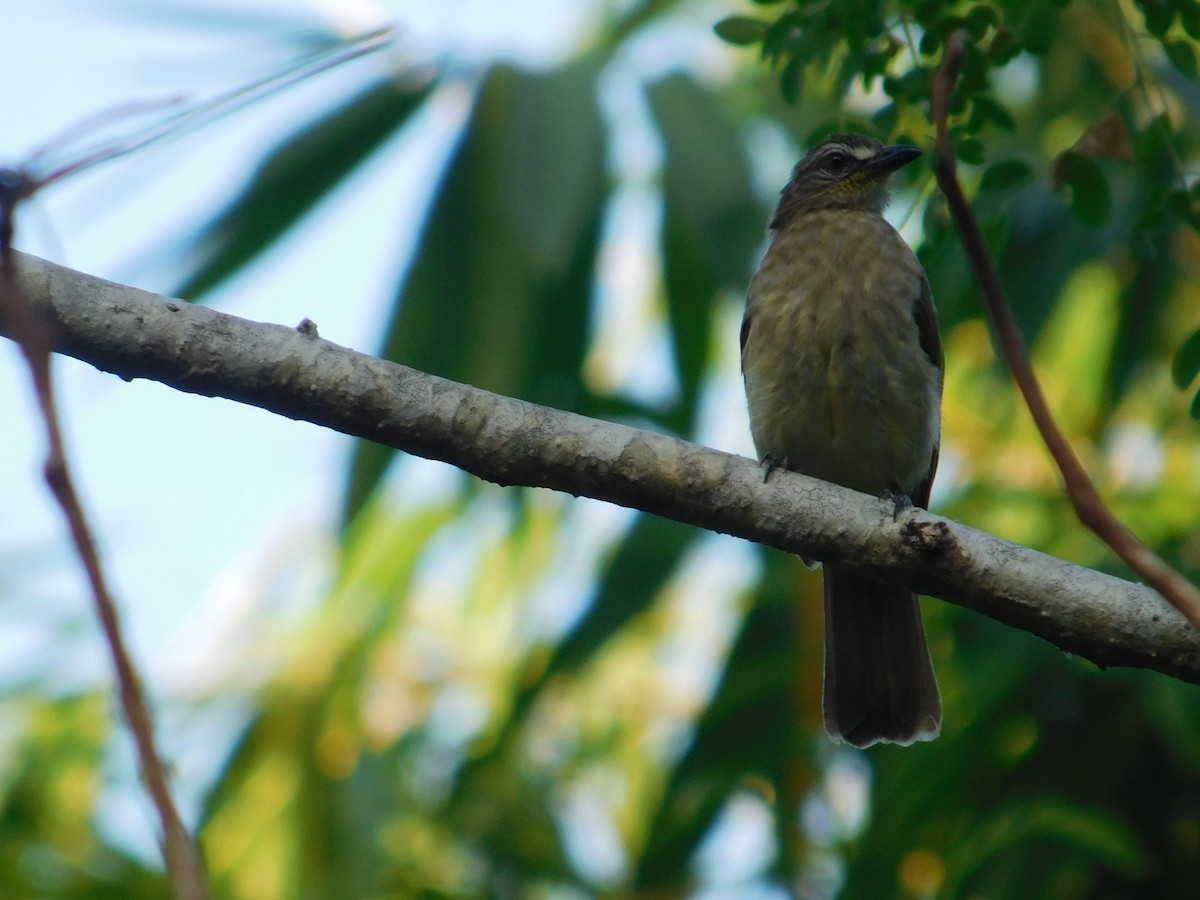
(900, 500)
(769, 464)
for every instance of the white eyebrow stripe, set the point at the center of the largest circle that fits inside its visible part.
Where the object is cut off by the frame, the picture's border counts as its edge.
(862, 153)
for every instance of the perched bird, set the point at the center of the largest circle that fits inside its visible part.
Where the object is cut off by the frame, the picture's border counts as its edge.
(843, 368)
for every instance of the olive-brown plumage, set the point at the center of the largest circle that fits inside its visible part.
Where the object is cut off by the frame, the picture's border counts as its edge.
(843, 368)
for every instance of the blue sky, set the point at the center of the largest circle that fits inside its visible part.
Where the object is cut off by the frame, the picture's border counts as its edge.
(185, 490)
(198, 503)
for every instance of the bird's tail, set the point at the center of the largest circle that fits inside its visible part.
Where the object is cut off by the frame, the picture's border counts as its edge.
(879, 681)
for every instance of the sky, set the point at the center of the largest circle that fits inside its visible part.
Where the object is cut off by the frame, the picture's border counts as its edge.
(187, 491)
(199, 503)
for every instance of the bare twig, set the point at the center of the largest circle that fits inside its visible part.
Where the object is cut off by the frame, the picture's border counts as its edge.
(191, 117)
(294, 373)
(1089, 506)
(35, 339)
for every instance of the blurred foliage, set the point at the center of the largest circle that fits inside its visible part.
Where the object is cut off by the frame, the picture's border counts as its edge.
(510, 694)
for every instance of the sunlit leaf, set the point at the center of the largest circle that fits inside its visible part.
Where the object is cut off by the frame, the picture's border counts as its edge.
(646, 557)
(52, 767)
(747, 731)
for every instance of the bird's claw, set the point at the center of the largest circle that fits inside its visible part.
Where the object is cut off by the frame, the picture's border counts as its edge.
(900, 500)
(769, 464)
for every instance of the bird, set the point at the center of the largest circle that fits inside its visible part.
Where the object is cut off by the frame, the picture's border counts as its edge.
(843, 367)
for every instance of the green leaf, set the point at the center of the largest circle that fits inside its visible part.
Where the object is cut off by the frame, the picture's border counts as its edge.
(1154, 144)
(1039, 29)
(785, 38)
(499, 289)
(1159, 15)
(1186, 365)
(1091, 198)
(741, 31)
(1005, 175)
(790, 80)
(996, 230)
(985, 110)
(1189, 15)
(1182, 55)
(971, 151)
(1186, 205)
(973, 77)
(885, 118)
(1003, 48)
(980, 19)
(293, 177)
(711, 224)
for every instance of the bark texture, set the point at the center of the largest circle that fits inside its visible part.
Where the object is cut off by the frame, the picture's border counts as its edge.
(292, 372)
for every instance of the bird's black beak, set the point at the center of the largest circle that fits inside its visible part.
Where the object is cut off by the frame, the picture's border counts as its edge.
(893, 158)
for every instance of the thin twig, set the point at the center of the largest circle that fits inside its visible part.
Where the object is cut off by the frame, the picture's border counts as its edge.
(1089, 506)
(34, 337)
(1142, 80)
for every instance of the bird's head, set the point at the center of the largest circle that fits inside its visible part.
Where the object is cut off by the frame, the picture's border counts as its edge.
(845, 171)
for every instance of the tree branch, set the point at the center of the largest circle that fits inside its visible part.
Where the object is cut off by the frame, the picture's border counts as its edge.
(292, 372)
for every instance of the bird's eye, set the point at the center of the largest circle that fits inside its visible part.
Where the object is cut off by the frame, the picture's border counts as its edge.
(836, 163)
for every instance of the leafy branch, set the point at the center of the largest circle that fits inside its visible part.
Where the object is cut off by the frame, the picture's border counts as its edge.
(1089, 506)
(892, 46)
